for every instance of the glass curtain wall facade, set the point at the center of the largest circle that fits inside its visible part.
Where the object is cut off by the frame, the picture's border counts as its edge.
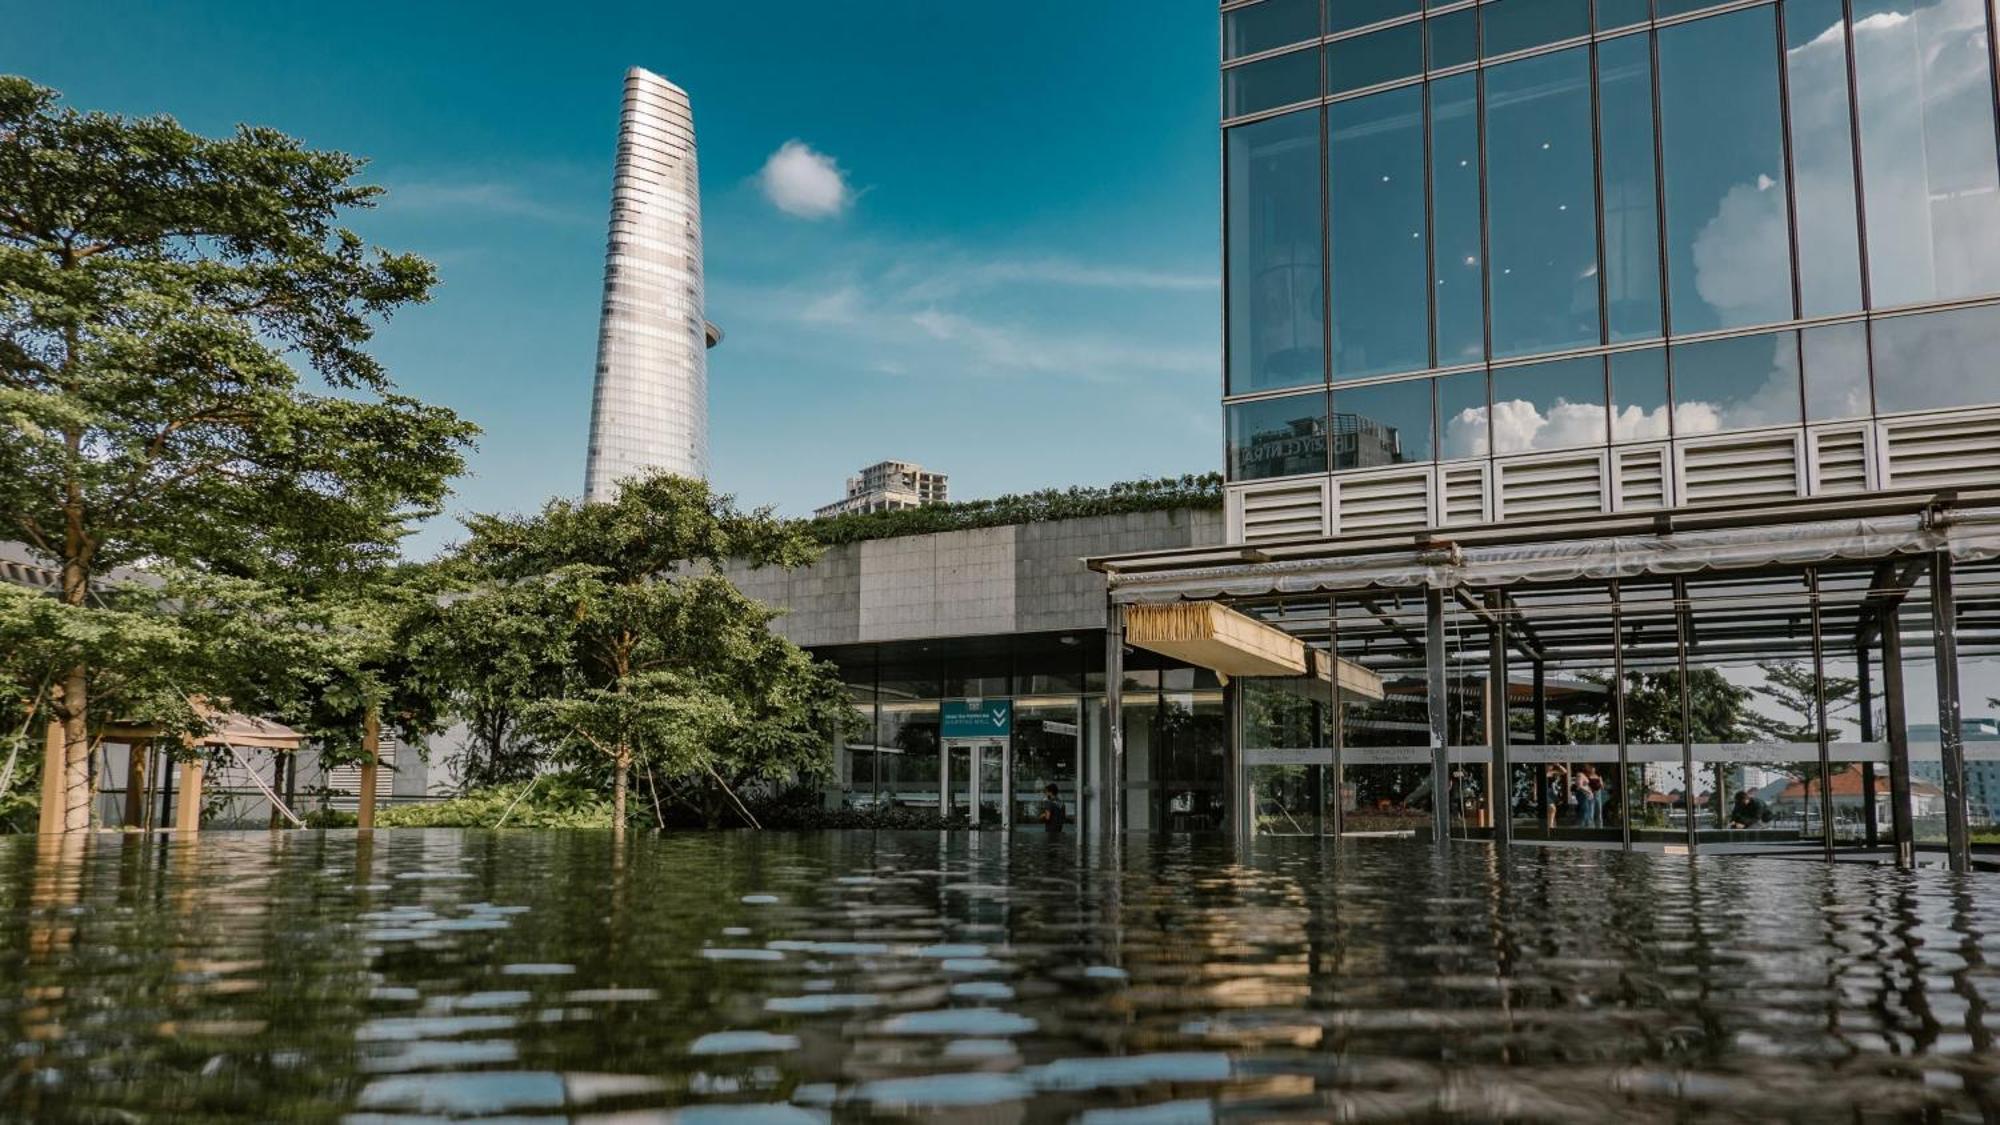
(1474, 230)
(650, 406)
(1173, 769)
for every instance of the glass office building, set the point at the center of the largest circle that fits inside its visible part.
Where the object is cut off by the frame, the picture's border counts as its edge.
(1619, 382)
(649, 409)
(1625, 241)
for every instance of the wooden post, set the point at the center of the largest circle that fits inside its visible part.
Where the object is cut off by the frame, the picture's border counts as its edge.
(136, 755)
(187, 809)
(371, 761)
(54, 792)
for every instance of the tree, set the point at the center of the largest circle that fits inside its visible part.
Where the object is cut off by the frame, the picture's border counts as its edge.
(627, 647)
(183, 364)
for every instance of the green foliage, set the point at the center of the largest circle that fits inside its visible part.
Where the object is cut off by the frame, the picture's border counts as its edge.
(1149, 495)
(185, 382)
(607, 636)
(555, 801)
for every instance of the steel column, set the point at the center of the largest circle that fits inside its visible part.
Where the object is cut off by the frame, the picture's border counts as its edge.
(1501, 801)
(1681, 641)
(1819, 721)
(1951, 734)
(1111, 799)
(1895, 717)
(1439, 715)
(1864, 692)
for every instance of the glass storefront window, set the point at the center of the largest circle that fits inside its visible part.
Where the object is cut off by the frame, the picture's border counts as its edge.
(1277, 437)
(1631, 200)
(1549, 406)
(1385, 774)
(1462, 413)
(1728, 240)
(1459, 292)
(1276, 297)
(1937, 360)
(1269, 83)
(1268, 26)
(1346, 15)
(1836, 372)
(906, 744)
(1516, 25)
(1046, 752)
(1452, 38)
(1376, 177)
(1370, 60)
(1927, 149)
(1541, 186)
(1739, 383)
(1382, 424)
(1822, 157)
(1639, 396)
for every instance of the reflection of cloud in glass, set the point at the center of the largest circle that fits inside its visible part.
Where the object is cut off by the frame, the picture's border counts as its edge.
(1733, 252)
(1465, 433)
(1520, 426)
(1633, 423)
(1927, 148)
(1726, 384)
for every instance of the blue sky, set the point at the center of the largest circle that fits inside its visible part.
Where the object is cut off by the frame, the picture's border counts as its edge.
(1018, 285)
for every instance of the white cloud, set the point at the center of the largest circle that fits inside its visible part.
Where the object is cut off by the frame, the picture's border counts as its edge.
(502, 198)
(801, 181)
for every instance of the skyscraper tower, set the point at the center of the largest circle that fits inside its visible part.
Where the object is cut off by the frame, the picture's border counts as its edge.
(650, 407)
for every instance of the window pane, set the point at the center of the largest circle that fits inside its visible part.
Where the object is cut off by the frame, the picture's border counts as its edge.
(1666, 8)
(1376, 172)
(1728, 245)
(1639, 396)
(1462, 415)
(1822, 157)
(1927, 159)
(1460, 294)
(1516, 25)
(1346, 15)
(1541, 191)
(1549, 405)
(1282, 80)
(1620, 13)
(1836, 359)
(1277, 437)
(1386, 424)
(1276, 306)
(1396, 52)
(1274, 23)
(1943, 359)
(1631, 201)
(1736, 384)
(1454, 38)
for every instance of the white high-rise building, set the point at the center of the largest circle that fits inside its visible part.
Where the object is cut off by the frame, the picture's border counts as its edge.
(650, 408)
(888, 486)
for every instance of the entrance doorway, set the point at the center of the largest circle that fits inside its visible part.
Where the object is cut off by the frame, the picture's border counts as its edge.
(976, 782)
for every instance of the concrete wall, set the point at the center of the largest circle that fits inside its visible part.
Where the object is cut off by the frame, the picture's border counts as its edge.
(1023, 578)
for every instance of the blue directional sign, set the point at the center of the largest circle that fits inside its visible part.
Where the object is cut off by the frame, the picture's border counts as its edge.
(977, 718)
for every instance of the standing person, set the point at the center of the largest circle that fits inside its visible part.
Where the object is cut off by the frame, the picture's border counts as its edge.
(1595, 785)
(1054, 813)
(1556, 782)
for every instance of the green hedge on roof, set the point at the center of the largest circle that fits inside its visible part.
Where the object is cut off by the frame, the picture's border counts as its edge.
(1149, 495)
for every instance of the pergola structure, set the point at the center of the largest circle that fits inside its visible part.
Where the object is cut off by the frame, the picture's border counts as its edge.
(1670, 658)
(149, 767)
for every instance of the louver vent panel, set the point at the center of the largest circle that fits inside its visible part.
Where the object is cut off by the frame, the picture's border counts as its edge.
(1389, 502)
(1564, 486)
(1946, 452)
(1762, 468)
(1463, 489)
(1642, 480)
(1843, 461)
(1294, 512)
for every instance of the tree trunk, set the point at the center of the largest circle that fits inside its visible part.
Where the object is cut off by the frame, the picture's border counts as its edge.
(76, 754)
(622, 766)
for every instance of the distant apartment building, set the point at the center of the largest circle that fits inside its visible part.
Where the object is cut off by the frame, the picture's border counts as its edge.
(888, 486)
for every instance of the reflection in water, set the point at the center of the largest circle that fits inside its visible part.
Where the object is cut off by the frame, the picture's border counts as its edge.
(432, 976)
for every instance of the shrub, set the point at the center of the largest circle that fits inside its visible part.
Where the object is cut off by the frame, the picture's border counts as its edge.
(554, 801)
(1150, 495)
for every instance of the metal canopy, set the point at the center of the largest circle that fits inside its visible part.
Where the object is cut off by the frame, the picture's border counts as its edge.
(1214, 636)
